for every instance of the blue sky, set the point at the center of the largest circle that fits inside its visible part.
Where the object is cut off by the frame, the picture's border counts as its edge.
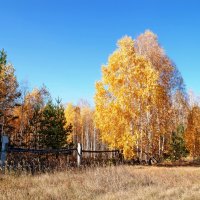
(63, 43)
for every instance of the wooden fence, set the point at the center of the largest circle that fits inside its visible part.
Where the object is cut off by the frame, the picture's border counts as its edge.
(78, 151)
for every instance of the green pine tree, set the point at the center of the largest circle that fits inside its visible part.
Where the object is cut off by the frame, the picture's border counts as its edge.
(177, 145)
(53, 130)
(3, 59)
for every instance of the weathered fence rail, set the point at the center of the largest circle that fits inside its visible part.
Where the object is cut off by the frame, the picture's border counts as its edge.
(50, 159)
(14, 152)
(112, 151)
(40, 151)
(80, 151)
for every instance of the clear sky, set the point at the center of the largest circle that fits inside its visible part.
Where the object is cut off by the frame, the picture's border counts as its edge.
(63, 43)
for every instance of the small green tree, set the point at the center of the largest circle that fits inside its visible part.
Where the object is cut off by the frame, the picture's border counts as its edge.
(53, 130)
(177, 145)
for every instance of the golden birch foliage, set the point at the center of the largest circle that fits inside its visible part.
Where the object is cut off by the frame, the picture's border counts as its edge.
(180, 109)
(70, 118)
(87, 128)
(81, 118)
(29, 111)
(73, 117)
(192, 135)
(170, 82)
(147, 45)
(70, 113)
(126, 91)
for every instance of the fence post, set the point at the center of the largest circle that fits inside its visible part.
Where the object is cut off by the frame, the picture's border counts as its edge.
(3, 152)
(79, 154)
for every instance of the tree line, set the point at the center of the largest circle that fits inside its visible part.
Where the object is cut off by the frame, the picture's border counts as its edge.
(141, 108)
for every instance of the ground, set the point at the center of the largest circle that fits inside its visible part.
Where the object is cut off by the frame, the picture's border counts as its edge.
(113, 183)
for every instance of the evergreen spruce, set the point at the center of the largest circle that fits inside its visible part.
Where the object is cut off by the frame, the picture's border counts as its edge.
(53, 129)
(177, 145)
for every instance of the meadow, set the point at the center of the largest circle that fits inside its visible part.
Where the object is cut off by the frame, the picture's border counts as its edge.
(110, 183)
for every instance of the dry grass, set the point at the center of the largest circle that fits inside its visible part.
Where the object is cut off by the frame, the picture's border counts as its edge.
(122, 182)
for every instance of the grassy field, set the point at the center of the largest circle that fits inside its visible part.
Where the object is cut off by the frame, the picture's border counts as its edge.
(121, 182)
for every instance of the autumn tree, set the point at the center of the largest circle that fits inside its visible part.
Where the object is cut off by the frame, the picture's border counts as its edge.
(29, 115)
(9, 95)
(73, 117)
(180, 109)
(170, 87)
(124, 97)
(81, 116)
(192, 135)
(87, 132)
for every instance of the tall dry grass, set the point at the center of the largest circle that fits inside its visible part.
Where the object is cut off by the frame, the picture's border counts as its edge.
(120, 182)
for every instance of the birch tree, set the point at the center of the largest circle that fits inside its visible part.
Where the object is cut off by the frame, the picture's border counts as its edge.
(124, 97)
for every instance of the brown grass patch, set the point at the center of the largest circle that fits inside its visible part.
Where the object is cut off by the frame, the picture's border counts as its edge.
(120, 182)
